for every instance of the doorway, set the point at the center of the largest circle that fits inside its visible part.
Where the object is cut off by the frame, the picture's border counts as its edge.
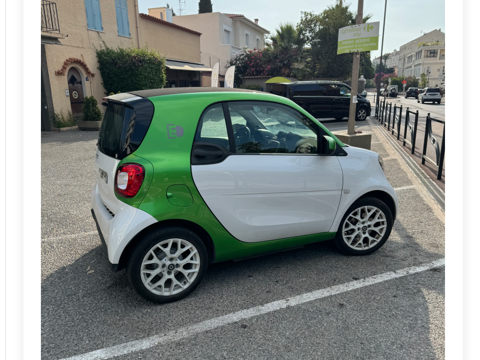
(75, 88)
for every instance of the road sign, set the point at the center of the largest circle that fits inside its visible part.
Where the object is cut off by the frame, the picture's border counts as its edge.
(361, 37)
(404, 81)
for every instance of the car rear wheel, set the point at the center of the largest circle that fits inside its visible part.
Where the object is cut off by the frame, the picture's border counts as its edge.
(361, 114)
(365, 227)
(168, 264)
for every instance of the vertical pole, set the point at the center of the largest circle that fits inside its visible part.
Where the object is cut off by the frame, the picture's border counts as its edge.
(415, 133)
(355, 71)
(407, 121)
(425, 139)
(394, 114)
(399, 125)
(381, 51)
(442, 156)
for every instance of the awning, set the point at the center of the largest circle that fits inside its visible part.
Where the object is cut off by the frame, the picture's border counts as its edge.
(186, 66)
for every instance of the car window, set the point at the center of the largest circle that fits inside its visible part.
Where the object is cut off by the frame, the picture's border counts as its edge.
(272, 128)
(332, 90)
(433, 90)
(345, 91)
(213, 127)
(306, 90)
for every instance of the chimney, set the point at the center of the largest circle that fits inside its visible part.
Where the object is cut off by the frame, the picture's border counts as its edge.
(256, 21)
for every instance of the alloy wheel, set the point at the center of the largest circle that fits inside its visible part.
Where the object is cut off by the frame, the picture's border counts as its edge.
(170, 267)
(364, 227)
(361, 114)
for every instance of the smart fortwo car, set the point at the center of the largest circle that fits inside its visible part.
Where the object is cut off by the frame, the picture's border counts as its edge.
(192, 176)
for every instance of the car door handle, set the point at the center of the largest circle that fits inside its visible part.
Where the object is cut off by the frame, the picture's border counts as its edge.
(204, 153)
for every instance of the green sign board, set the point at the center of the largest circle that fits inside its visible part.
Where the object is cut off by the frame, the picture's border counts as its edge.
(361, 37)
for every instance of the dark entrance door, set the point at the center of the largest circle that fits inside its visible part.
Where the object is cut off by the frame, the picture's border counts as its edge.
(75, 87)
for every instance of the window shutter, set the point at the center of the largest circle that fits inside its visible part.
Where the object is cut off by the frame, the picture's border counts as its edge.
(89, 11)
(97, 15)
(118, 10)
(126, 26)
(122, 18)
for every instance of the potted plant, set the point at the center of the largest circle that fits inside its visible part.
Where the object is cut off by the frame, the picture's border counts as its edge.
(92, 116)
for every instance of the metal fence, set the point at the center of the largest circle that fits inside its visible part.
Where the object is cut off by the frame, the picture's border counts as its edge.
(50, 21)
(392, 120)
(439, 152)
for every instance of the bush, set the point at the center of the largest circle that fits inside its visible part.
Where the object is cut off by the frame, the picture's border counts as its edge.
(126, 70)
(90, 110)
(60, 121)
(252, 87)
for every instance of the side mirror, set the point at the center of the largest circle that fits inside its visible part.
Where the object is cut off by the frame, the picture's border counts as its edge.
(329, 146)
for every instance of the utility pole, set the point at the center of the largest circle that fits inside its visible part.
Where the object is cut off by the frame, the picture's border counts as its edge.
(381, 56)
(355, 71)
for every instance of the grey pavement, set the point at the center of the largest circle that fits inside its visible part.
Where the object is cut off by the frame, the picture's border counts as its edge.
(86, 307)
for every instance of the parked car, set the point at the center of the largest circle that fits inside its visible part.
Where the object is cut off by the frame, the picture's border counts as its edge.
(193, 176)
(430, 94)
(323, 99)
(412, 92)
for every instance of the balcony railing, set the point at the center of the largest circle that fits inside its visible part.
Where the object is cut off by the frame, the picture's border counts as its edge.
(50, 17)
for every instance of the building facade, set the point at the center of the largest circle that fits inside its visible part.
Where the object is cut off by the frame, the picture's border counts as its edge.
(424, 55)
(179, 45)
(223, 37)
(72, 30)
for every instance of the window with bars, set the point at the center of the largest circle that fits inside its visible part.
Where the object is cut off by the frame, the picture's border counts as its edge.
(431, 53)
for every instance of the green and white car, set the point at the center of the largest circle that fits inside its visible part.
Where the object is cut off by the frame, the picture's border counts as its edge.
(192, 176)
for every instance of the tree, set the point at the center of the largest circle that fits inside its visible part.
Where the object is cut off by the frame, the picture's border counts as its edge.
(321, 33)
(287, 38)
(423, 80)
(173, 11)
(205, 6)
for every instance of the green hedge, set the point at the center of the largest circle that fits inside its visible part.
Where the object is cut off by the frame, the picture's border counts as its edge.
(126, 70)
(90, 110)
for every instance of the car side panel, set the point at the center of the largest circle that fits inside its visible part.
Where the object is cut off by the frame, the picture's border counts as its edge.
(361, 174)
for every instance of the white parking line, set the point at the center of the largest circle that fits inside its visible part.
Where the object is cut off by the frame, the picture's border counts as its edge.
(70, 236)
(185, 332)
(404, 188)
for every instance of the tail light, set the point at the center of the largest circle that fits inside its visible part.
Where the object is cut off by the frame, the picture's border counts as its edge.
(129, 179)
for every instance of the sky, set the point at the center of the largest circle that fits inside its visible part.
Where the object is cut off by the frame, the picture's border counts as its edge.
(405, 21)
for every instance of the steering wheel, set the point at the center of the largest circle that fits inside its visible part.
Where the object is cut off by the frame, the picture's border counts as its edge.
(242, 135)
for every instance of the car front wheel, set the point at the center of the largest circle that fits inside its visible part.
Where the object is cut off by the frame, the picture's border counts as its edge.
(168, 264)
(365, 227)
(361, 114)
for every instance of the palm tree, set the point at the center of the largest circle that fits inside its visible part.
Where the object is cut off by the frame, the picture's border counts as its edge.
(288, 38)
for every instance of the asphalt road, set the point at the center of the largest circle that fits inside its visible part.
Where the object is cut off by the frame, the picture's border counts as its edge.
(86, 307)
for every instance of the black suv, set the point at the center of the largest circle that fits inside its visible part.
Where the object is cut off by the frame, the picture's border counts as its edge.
(323, 99)
(412, 92)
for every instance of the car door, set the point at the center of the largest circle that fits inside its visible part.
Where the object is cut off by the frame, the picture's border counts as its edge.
(341, 100)
(271, 183)
(312, 98)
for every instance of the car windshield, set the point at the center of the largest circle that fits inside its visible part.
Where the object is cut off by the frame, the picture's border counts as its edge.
(433, 90)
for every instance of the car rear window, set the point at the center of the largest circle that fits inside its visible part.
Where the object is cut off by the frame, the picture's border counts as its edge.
(433, 90)
(124, 127)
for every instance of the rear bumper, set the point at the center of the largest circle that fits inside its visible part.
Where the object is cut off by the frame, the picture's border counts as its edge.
(117, 230)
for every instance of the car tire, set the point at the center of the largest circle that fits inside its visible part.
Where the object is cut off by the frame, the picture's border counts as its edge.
(353, 235)
(182, 270)
(361, 114)
(423, 102)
